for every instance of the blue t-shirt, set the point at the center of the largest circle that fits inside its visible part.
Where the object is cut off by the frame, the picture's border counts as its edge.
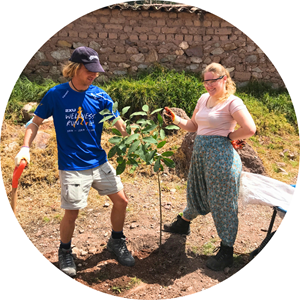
(76, 119)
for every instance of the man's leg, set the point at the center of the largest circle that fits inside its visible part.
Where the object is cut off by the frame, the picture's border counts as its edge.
(67, 226)
(117, 241)
(118, 211)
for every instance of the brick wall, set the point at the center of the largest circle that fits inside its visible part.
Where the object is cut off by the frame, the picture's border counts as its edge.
(179, 37)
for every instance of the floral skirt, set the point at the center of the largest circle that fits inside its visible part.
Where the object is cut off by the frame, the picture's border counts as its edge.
(213, 185)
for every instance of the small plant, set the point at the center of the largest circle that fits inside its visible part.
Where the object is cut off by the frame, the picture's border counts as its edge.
(144, 144)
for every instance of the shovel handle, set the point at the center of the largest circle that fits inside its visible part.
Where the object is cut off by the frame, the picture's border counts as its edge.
(18, 172)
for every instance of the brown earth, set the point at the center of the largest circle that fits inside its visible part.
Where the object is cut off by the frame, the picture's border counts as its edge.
(174, 269)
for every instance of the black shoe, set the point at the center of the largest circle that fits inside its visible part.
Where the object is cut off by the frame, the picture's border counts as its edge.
(178, 226)
(66, 262)
(119, 248)
(223, 259)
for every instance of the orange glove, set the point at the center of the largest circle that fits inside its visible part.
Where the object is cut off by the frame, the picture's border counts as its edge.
(175, 119)
(238, 144)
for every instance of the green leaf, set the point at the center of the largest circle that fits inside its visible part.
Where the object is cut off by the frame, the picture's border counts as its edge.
(106, 118)
(116, 131)
(157, 165)
(112, 152)
(162, 134)
(167, 153)
(149, 128)
(125, 110)
(115, 140)
(157, 110)
(160, 119)
(149, 156)
(120, 159)
(128, 128)
(132, 169)
(115, 120)
(150, 140)
(105, 112)
(121, 167)
(133, 147)
(139, 113)
(145, 108)
(169, 162)
(115, 107)
(133, 162)
(131, 138)
(140, 121)
(161, 144)
(172, 127)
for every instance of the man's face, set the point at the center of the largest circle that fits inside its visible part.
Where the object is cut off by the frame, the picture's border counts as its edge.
(85, 77)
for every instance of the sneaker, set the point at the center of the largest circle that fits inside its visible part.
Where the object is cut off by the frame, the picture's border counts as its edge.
(223, 259)
(178, 226)
(119, 248)
(66, 262)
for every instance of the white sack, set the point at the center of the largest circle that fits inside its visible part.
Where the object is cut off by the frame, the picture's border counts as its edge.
(263, 190)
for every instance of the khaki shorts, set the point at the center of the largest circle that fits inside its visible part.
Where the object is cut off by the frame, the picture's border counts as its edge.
(75, 185)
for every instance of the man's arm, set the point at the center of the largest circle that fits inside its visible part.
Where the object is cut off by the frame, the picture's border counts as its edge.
(30, 134)
(31, 131)
(121, 126)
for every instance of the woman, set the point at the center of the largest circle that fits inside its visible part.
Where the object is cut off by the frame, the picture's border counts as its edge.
(215, 169)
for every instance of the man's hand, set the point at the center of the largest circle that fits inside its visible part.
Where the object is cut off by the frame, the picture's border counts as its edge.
(169, 113)
(23, 154)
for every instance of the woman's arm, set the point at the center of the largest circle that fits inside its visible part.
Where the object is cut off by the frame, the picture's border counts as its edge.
(188, 125)
(247, 125)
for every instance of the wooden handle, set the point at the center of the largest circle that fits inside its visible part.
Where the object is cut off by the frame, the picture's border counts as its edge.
(13, 202)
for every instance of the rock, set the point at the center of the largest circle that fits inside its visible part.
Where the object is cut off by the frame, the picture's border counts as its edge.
(11, 147)
(281, 170)
(81, 231)
(172, 191)
(28, 110)
(184, 45)
(41, 140)
(195, 51)
(106, 204)
(61, 54)
(139, 58)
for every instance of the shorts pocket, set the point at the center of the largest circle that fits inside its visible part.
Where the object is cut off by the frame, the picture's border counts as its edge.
(73, 190)
(108, 169)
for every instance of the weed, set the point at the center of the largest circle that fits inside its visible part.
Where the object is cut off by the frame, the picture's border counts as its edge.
(116, 289)
(208, 248)
(46, 219)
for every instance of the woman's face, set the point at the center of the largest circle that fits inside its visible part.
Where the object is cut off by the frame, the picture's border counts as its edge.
(214, 84)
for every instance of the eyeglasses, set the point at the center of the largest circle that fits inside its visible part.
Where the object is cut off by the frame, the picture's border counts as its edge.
(212, 81)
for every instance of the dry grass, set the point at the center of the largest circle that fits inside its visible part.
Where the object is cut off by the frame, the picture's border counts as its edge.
(39, 188)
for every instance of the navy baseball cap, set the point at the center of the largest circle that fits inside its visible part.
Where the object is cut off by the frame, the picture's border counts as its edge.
(88, 57)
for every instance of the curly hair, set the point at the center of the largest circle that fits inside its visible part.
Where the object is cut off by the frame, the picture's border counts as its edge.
(218, 69)
(70, 69)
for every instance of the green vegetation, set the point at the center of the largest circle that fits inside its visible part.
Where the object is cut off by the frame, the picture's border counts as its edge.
(272, 109)
(26, 91)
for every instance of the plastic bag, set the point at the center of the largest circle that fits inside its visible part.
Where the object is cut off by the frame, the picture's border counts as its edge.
(263, 190)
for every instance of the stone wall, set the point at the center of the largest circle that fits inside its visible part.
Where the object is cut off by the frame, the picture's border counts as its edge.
(129, 39)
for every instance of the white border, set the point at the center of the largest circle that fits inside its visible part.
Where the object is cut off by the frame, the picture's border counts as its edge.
(26, 26)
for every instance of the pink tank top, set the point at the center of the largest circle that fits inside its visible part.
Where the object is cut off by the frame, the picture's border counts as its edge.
(217, 120)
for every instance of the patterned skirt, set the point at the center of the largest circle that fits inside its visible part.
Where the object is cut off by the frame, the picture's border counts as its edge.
(213, 184)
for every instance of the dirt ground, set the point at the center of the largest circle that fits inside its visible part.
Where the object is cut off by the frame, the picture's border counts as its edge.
(176, 268)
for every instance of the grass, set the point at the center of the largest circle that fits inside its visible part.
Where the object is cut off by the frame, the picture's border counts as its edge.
(272, 110)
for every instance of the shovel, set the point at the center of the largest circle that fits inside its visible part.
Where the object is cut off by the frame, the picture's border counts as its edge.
(15, 181)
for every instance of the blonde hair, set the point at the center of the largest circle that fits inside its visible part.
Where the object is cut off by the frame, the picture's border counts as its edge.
(218, 69)
(70, 69)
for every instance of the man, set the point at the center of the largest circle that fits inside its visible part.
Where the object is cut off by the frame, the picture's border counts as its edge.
(82, 163)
